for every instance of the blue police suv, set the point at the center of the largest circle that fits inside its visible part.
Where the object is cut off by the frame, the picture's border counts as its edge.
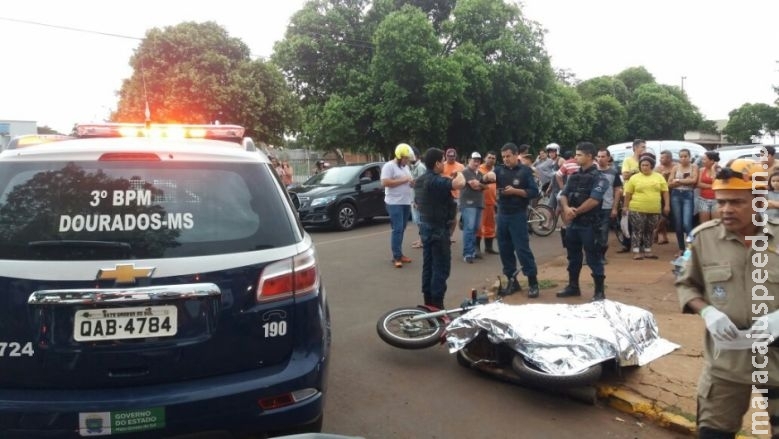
(155, 281)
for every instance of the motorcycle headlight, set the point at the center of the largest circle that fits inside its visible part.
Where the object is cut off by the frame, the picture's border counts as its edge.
(323, 201)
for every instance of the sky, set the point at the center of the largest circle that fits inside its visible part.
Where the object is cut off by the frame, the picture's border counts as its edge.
(727, 52)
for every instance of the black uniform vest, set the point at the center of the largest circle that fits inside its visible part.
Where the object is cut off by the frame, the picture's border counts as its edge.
(433, 210)
(580, 185)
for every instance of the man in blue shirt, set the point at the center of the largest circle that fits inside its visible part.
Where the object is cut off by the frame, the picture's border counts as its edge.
(516, 187)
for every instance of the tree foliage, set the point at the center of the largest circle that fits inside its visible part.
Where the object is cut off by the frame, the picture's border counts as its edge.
(197, 73)
(469, 74)
(752, 120)
(364, 75)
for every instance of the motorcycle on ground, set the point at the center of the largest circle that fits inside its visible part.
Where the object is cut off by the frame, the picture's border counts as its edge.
(425, 326)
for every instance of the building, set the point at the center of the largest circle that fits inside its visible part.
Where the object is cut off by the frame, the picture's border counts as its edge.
(709, 140)
(12, 128)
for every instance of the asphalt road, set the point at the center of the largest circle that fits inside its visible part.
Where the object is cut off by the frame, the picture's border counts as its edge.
(378, 391)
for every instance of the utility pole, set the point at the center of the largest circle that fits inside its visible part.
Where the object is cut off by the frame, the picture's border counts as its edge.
(683, 78)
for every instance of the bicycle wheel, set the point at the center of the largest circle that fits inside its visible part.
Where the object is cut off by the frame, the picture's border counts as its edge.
(397, 329)
(542, 220)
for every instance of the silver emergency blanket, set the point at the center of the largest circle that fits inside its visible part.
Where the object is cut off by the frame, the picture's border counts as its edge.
(563, 339)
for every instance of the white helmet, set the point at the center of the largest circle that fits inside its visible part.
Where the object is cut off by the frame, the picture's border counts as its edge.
(553, 146)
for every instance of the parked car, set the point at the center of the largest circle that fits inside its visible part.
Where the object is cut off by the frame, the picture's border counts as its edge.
(341, 196)
(621, 150)
(153, 284)
(728, 153)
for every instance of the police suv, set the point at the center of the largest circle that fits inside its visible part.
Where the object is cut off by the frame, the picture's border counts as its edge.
(155, 280)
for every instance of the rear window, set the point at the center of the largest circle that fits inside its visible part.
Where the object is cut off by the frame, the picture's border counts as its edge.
(106, 210)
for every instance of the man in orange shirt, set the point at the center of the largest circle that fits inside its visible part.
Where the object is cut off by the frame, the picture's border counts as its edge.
(487, 229)
(451, 168)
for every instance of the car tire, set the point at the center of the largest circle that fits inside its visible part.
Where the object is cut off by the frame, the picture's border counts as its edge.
(345, 217)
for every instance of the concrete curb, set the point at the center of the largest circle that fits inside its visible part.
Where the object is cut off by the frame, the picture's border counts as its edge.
(636, 405)
(631, 403)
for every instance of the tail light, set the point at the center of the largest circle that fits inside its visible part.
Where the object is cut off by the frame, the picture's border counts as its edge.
(294, 276)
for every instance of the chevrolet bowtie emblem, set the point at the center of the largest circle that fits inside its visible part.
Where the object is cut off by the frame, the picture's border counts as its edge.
(124, 273)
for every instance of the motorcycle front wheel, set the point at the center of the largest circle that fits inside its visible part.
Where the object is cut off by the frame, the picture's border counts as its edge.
(397, 329)
(542, 220)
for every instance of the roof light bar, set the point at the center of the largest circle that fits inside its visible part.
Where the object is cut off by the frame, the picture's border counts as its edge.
(159, 131)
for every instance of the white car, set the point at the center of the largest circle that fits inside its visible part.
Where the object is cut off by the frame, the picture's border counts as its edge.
(621, 150)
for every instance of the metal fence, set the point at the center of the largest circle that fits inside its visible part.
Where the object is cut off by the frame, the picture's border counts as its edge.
(303, 167)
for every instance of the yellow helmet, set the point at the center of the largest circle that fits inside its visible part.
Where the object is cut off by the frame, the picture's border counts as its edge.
(739, 175)
(403, 150)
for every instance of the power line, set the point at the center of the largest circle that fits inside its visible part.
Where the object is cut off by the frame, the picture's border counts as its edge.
(73, 29)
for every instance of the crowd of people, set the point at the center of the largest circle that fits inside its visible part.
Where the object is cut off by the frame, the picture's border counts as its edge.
(489, 203)
(657, 198)
(585, 189)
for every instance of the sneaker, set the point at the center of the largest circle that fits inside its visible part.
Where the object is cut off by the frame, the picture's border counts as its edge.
(468, 259)
(532, 291)
(398, 263)
(405, 259)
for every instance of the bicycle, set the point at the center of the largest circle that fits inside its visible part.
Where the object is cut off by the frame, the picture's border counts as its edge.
(541, 219)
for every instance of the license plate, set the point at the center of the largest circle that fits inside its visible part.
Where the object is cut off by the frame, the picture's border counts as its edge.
(125, 323)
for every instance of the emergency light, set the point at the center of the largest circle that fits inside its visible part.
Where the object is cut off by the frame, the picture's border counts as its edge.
(158, 131)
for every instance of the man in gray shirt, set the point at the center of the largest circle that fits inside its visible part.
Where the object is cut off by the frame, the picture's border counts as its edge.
(610, 199)
(471, 206)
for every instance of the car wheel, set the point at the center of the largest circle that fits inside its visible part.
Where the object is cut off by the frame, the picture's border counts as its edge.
(345, 217)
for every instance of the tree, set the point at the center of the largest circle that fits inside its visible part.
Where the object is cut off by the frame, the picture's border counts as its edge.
(751, 120)
(655, 113)
(610, 125)
(635, 77)
(604, 86)
(471, 73)
(197, 73)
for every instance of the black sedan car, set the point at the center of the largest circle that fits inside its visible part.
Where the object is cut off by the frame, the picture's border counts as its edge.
(341, 196)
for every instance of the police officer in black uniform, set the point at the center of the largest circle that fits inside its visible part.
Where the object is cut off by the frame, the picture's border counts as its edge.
(581, 200)
(437, 209)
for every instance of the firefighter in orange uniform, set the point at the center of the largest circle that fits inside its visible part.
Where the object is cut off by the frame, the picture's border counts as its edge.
(487, 229)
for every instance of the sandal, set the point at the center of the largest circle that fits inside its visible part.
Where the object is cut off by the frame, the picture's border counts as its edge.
(638, 257)
(663, 242)
(650, 256)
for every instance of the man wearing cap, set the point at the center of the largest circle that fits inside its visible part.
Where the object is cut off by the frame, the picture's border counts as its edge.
(451, 168)
(398, 195)
(471, 206)
(731, 280)
(516, 187)
(487, 228)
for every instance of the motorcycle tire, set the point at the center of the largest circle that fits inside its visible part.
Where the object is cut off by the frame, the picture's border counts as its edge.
(542, 220)
(396, 330)
(532, 375)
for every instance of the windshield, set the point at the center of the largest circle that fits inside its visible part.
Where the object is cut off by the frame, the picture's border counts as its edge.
(334, 176)
(94, 210)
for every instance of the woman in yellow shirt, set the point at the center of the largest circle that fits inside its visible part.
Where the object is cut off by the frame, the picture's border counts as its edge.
(643, 193)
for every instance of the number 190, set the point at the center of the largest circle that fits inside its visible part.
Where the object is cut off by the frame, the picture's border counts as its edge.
(275, 329)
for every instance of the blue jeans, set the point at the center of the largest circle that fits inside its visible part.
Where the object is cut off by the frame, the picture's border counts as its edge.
(436, 260)
(398, 214)
(682, 209)
(580, 237)
(513, 239)
(471, 218)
